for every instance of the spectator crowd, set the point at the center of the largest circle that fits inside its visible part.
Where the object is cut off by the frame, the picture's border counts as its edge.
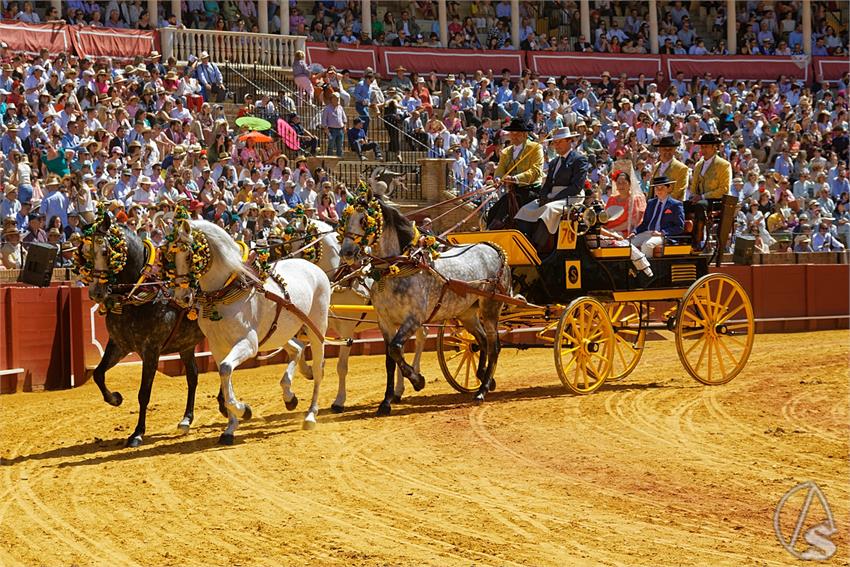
(144, 138)
(762, 28)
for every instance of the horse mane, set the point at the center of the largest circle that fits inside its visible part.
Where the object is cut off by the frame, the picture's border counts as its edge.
(135, 256)
(394, 220)
(226, 254)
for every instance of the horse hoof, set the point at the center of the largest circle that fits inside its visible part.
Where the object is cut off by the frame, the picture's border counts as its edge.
(116, 399)
(492, 387)
(248, 414)
(309, 423)
(226, 439)
(419, 382)
(291, 404)
(183, 426)
(336, 408)
(396, 399)
(383, 410)
(479, 398)
(134, 441)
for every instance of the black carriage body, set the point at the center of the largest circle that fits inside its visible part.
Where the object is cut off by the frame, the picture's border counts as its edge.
(565, 275)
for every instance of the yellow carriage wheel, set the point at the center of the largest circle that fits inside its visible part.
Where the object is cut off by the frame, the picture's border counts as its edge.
(584, 346)
(630, 337)
(457, 353)
(715, 329)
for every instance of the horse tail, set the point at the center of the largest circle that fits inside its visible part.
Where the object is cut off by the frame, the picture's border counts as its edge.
(503, 277)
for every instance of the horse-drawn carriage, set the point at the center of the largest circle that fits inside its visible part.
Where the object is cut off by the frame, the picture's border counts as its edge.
(588, 302)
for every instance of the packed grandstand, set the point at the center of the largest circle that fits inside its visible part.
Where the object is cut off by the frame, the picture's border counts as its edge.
(145, 135)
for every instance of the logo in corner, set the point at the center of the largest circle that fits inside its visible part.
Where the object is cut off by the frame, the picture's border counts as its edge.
(817, 535)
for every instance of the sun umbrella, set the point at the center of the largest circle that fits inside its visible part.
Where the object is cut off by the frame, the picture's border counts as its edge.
(256, 136)
(253, 123)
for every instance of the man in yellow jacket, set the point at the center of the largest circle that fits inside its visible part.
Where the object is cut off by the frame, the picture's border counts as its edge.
(668, 165)
(520, 169)
(710, 180)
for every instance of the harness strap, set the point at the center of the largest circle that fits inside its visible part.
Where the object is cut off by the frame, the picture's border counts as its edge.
(282, 303)
(174, 329)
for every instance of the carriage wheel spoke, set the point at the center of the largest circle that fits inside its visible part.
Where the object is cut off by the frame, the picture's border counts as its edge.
(730, 314)
(720, 359)
(701, 354)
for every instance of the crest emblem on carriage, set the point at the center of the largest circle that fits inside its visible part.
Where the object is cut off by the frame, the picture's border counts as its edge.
(572, 269)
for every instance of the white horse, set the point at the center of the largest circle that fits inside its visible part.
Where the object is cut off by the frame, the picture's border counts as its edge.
(345, 324)
(238, 316)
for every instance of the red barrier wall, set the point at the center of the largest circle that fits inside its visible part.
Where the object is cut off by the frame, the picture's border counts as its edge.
(82, 40)
(56, 335)
(551, 63)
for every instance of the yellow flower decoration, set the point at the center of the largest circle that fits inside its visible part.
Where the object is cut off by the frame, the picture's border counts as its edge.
(394, 270)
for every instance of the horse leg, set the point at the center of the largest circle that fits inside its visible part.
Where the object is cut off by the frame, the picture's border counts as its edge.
(421, 336)
(149, 363)
(389, 362)
(188, 358)
(303, 367)
(476, 329)
(317, 349)
(239, 353)
(338, 406)
(294, 351)
(490, 319)
(395, 349)
(112, 355)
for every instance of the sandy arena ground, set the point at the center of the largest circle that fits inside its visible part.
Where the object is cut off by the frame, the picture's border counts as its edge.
(656, 470)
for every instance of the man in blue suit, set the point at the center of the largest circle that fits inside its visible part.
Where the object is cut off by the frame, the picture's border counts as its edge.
(563, 186)
(664, 217)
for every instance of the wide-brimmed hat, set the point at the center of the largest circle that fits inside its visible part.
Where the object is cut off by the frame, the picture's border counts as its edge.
(518, 125)
(709, 139)
(661, 180)
(562, 134)
(11, 230)
(666, 142)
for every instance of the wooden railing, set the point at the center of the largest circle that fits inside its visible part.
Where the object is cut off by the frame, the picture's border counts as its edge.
(244, 48)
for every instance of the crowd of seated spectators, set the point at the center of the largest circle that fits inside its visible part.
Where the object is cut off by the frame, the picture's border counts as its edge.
(146, 137)
(763, 28)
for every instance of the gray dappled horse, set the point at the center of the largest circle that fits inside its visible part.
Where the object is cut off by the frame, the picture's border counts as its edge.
(346, 324)
(408, 295)
(148, 328)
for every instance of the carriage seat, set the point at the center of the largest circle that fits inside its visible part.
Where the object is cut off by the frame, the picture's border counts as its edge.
(519, 251)
(677, 245)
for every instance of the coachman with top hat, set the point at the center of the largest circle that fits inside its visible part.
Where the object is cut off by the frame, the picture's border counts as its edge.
(520, 170)
(711, 179)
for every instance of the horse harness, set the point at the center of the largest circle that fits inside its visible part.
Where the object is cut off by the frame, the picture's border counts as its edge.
(239, 286)
(421, 259)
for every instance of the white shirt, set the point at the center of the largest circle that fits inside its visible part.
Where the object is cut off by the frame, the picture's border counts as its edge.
(706, 164)
(662, 167)
(518, 150)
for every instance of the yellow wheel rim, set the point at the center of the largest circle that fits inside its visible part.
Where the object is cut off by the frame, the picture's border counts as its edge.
(715, 329)
(457, 353)
(629, 338)
(584, 346)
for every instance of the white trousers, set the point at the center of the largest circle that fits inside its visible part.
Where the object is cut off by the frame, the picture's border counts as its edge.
(647, 242)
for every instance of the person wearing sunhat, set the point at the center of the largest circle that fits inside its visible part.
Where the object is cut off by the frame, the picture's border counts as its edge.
(520, 171)
(56, 202)
(711, 179)
(664, 217)
(670, 166)
(10, 205)
(401, 81)
(563, 186)
(210, 78)
(12, 252)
